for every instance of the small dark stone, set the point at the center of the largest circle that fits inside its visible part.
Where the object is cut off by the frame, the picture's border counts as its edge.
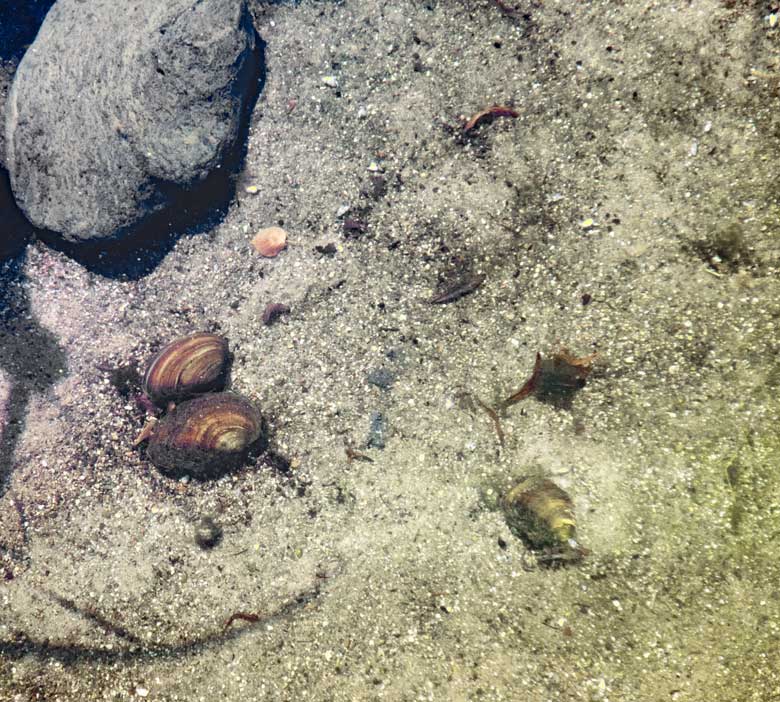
(381, 378)
(207, 533)
(376, 431)
(378, 186)
(327, 250)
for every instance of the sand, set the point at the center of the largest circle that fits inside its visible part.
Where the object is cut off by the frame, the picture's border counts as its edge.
(629, 210)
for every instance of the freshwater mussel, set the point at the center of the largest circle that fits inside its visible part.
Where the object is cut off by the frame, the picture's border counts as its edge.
(187, 367)
(207, 436)
(541, 514)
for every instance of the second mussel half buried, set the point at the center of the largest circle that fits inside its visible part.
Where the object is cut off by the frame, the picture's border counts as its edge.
(205, 432)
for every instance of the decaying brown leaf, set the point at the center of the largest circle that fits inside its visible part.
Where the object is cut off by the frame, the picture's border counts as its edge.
(555, 379)
(488, 115)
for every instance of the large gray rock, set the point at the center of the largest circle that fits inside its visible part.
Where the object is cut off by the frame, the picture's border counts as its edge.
(115, 102)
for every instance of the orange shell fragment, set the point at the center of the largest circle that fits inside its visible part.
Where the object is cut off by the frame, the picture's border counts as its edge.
(270, 241)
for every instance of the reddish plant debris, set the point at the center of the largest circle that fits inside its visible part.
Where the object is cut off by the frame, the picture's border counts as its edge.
(250, 617)
(555, 379)
(353, 455)
(292, 103)
(457, 290)
(272, 311)
(488, 115)
(146, 431)
(494, 418)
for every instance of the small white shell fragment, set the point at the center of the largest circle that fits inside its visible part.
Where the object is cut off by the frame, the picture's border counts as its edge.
(141, 691)
(330, 81)
(694, 149)
(773, 19)
(341, 211)
(251, 189)
(270, 241)
(707, 126)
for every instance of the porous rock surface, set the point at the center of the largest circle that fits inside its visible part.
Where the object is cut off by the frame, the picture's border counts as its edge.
(114, 103)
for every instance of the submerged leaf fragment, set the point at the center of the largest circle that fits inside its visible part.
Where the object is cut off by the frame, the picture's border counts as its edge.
(555, 379)
(488, 115)
(272, 311)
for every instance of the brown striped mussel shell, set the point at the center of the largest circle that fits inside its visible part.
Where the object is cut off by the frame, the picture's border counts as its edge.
(207, 436)
(189, 366)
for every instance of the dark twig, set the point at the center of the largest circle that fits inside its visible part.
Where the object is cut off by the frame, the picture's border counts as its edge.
(529, 386)
(457, 290)
(494, 416)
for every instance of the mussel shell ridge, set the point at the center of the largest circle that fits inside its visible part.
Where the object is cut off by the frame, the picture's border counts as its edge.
(189, 366)
(207, 436)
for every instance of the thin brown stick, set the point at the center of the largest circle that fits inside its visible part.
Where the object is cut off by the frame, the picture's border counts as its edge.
(494, 416)
(529, 386)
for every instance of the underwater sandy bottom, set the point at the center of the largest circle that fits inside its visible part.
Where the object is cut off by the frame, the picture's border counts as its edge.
(629, 210)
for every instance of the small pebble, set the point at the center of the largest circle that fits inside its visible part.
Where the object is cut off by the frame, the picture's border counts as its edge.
(381, 378)
(207, 533)
(376, 431)
(270, 241)
(251, 189)
(330, 81)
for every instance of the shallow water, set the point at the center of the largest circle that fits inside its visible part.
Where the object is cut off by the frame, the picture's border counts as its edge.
(630, 210)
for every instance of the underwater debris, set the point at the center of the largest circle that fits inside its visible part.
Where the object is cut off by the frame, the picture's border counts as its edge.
(274, 310)
(494, 417)
(506, 8)
(146, 431)
(457, 290)
(250, 617)
(207, 533)
(541, 514)
(554, 379)
(488, 115)
(353, 455)
(352, 226)
(377, 430)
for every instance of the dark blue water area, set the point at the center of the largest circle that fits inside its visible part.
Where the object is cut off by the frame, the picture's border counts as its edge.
(19, 23)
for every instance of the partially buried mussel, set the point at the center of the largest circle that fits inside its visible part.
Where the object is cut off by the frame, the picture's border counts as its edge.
(187, 367)
(542, 515)
(207, 436)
